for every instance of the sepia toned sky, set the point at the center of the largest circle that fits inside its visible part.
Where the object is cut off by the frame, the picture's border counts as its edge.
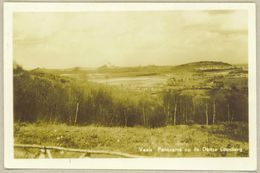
(92, 39)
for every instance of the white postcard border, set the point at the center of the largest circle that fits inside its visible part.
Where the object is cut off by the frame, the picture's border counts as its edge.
(136, 163)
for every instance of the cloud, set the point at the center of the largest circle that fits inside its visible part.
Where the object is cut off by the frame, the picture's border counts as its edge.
(129, 38)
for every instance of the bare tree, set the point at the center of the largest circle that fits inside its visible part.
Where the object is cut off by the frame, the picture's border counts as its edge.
(175, 111)
(206, 114)
(76, 116)
(214, 112)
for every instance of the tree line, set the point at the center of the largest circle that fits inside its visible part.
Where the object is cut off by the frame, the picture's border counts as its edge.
(41, 96)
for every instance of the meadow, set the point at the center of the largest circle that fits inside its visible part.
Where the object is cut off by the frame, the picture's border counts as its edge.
(169, 141)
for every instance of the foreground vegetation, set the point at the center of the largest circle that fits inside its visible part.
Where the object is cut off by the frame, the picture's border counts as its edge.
(137, 140)
(197, 109)
(195, 93)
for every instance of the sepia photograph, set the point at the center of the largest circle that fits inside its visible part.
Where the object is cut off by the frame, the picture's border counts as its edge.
(114, 81)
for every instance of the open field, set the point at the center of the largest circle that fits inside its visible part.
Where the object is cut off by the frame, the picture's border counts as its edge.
(153, 79)
(169, 141)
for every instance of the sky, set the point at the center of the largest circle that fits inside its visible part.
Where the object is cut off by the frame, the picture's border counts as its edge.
(128, 38)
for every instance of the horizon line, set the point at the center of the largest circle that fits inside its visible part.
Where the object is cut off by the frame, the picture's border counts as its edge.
(121, 66)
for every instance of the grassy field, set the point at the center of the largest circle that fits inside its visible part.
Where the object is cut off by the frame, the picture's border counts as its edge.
(222, 140)
(146, 78)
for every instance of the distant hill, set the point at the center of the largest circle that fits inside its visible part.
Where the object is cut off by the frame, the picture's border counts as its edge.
(207, 63)
(204, 66)
(208, 66)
